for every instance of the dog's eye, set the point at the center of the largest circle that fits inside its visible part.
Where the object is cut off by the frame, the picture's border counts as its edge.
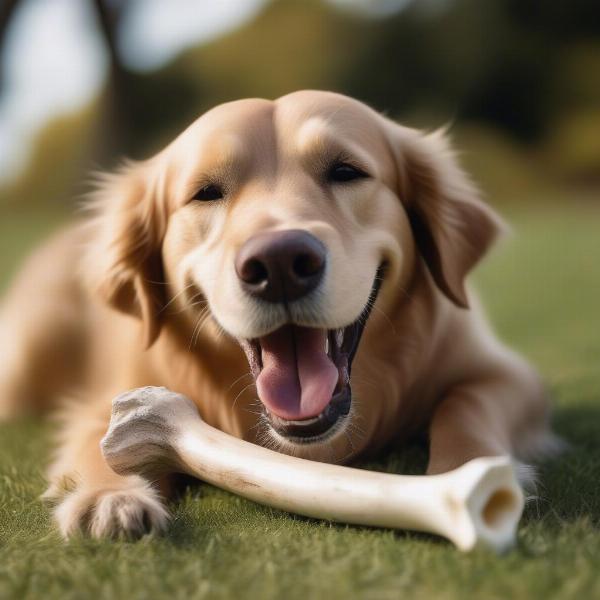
(342, 172)
(209, 192)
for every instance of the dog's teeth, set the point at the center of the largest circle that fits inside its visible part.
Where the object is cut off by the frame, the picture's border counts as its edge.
(339, 337)
(327, 344)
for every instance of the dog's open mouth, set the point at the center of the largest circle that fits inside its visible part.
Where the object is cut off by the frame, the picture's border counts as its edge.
(302, 374)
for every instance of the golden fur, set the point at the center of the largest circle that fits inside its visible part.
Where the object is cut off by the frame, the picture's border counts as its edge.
(143, 292)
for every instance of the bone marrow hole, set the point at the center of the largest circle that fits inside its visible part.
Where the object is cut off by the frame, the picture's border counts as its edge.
(499, 508)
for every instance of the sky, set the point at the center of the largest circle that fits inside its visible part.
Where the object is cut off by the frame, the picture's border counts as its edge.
(54, 61)
(45, 73)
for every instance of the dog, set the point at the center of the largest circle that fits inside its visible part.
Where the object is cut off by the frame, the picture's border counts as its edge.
(298, 268)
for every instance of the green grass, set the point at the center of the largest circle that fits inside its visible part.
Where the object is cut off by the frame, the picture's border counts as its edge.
(542, 289)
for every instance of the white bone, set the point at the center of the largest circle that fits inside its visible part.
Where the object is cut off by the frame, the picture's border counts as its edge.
(155, 431)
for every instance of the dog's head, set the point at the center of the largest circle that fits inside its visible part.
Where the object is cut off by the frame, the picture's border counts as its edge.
(281, 221)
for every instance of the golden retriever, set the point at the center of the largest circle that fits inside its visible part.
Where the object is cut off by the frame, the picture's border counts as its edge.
(296, 267)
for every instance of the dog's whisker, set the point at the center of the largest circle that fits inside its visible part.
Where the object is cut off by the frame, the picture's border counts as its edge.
(156, 282)
(175, 297)
(241, 392)
(255, 407)
(247, 374)
(192, 302)
(197, 327)
(189, 306)
(365, 381)
(390, 322)
(205, 320)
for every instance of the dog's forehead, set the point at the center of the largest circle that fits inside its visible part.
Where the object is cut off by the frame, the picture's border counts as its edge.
(296, 108)
(296, 119)
(310, 120)
(242, 118)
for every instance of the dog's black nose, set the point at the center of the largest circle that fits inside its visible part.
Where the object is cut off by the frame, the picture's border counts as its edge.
(281, 266)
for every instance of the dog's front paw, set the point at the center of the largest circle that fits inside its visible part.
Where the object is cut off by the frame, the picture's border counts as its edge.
(131, 508)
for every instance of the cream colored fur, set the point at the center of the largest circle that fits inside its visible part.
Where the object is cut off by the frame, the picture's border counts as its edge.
(143, 292)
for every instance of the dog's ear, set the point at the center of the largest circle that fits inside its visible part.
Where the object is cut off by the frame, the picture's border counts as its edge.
(453, 228)
(123, 258)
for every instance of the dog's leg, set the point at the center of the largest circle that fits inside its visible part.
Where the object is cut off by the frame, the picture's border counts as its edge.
(504, 412)
(89, 497)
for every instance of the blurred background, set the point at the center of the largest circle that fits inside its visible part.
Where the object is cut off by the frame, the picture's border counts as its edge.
(86, 82)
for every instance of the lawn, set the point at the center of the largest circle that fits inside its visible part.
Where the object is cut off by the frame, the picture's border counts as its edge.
(543, 292)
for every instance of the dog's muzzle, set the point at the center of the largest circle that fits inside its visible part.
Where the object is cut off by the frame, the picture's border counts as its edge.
(302, 374)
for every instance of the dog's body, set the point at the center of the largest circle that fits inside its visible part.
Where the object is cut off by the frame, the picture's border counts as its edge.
(383, 216)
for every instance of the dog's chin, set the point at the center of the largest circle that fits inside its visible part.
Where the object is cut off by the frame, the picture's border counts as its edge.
(303, 377)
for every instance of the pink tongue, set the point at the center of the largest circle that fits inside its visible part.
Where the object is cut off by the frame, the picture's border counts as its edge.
(298, 378)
